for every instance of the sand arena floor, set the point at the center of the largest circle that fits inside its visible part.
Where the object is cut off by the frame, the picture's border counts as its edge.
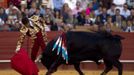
(66, 72)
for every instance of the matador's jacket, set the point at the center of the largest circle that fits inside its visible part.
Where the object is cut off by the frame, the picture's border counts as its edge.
(36, 31)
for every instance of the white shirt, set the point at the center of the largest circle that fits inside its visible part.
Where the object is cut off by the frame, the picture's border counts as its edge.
(125, 13)
(49, 3)
(75, 11)
(110, 12)
(1, 22)
(97, 12)
(84, 3)
(129, 28)
(119, 2)
(71, 3)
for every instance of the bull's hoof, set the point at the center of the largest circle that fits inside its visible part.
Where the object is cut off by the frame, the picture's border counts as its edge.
(54, 70)
(103, 73)
(48, 73)
(82, 74)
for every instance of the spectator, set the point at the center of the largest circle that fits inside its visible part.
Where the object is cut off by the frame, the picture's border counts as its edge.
(71, 20)
(111, 11)
(103, 17)
(81, 18)
(23, 6)
(64, 12)
(106, 3)
(95, 5)
(25, 13)
(33, 8)
(132, 14)
(71, 3)
(16, 3)
(133, 23)
(1, 24)
(49, 14)
(89, 8)
(3, 15)
(109, 24)
(49, 19)
(129, 26)
(130, 3)
(48, 3)
(43, 8)
(119, 3)
(88, 21)
(125, 11)
(10, 8)
(77, 9)
(3, 18)
(98, 11)
(58, 20)
(13, 18)
(84, 3)
(49, 23)
(58, 4)
(117, 19)
(37, 12)
(29, 2)
(93, 16)
(38, 3)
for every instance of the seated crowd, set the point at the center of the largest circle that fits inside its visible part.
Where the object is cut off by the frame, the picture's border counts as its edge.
(86, 13)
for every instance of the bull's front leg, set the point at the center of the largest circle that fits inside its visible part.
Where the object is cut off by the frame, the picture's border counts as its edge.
(108, 66)
(52, 69)
(77, 68)
(48, 73)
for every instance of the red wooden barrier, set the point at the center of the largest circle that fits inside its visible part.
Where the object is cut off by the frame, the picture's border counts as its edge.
(8, 42)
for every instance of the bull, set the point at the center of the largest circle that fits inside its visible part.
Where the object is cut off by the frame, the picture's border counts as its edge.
(82, 46)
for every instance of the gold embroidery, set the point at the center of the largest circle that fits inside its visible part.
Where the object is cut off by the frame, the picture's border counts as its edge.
(24, 30)
(32, 31)
(20, 41)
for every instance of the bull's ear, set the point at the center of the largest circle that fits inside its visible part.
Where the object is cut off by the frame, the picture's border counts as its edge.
(119, 37)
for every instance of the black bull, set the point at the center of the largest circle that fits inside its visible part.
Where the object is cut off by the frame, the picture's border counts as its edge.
(83, 46)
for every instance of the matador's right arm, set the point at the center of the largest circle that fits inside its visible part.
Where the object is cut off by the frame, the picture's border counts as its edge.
(23, 31)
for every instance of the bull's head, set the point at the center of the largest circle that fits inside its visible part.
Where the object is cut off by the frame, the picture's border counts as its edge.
(49, 57)
(48, 61)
